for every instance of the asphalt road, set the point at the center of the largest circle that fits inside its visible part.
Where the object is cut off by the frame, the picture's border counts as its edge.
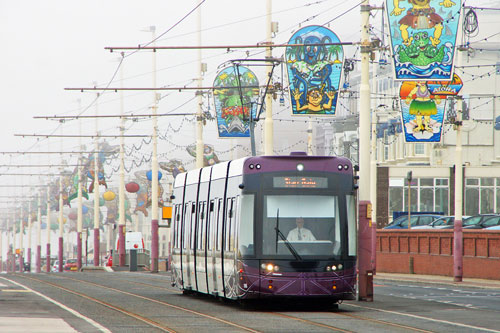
(144, 302)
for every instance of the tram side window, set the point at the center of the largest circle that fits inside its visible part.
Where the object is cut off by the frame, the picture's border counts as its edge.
(232, 224)
(228, 229)
(246, 242)
(175, 226)
(185, 226)
(193, 224)
(210, 225)
(351, 224)
(201, 226)
(218, 234)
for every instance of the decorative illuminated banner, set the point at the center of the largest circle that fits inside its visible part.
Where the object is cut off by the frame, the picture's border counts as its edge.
(423, 38)
(314, 69)
(422, 112)
(446, 88)
(236, 95)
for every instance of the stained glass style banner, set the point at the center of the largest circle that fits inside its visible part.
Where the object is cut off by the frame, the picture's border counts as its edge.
(447, 88)
(423, 38)
(422, 112)
(314, 70)
(233, 103)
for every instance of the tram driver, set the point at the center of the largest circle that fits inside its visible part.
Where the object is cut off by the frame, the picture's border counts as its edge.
(300, 233)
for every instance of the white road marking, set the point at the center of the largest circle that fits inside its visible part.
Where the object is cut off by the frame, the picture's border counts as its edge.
(424, 318)
(79, 315)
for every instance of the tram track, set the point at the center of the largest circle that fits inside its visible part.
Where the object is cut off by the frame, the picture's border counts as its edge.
(406, 327)
(273, 313)
(134, 315)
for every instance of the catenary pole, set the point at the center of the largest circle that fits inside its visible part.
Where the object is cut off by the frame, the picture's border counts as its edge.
(364, 216)
(97, 239)
(199, 114)
(154, 173)
(268, 122)
(121, 190)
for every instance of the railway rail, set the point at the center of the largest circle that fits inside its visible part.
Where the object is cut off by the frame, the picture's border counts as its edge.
(160, 307)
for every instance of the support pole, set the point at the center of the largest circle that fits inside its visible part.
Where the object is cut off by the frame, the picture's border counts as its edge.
(47, 261)
(21, 244)
(199, 115)
(365, 280)
(39, 238)
(97, 239)
(268, 122)
(457, 225)
(154, 177)
(121, 190)
(79, 214)
(29, 235)
(373, 189)
(61, 225)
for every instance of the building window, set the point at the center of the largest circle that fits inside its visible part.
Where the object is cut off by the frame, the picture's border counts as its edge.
(482, 195)
(419, 148)
(427, 195)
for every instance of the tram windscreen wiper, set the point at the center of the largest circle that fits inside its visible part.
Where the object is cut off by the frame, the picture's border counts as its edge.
(287, 243)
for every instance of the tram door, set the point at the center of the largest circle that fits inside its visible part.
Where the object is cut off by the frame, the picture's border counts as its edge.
(218, 248)
(186, 246)
(229, 242)
(211, 237)
(201, 274)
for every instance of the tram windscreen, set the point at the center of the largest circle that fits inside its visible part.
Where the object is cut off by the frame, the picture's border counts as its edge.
(310, 223)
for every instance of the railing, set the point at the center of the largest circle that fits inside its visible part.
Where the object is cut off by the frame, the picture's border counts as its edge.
(431, 252)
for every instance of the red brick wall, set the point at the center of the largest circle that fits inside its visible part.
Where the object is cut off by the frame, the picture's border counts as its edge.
(432, 252)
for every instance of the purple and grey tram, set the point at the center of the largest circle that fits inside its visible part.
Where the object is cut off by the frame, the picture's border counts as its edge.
(266, 226)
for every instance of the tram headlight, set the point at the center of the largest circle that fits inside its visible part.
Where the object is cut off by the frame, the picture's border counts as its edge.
(340, 167)
(334, 268)
(300, 167)
(340, 266)
(270, 267)
(328, 268)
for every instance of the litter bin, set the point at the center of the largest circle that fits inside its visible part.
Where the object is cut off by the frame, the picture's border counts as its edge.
(133, 260)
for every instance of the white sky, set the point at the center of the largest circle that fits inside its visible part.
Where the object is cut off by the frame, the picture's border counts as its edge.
(51, 45)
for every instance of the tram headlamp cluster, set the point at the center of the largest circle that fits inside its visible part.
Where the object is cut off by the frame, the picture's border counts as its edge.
(345, 167)
(270, 267)
(254, 166)
(334, 268)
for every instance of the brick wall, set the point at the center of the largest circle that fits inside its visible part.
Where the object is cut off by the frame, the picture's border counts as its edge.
(431, 252)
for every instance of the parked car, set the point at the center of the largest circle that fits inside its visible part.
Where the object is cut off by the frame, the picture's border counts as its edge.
(489, 222)
(444, 222)
(415, 220)
(70, 265)
(55, 266)
(496, 227)
(474, 222)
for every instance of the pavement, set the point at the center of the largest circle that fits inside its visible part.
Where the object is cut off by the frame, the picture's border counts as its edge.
(438, 280)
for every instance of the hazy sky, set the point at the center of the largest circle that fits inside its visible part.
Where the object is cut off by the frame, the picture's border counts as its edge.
(51, 45)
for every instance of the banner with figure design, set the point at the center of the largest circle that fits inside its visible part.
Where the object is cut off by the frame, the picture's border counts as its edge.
(236, 94)
(314, 69)
(423, 38)
(422, 112)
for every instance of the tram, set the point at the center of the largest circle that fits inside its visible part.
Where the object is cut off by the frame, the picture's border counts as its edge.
(266, 226)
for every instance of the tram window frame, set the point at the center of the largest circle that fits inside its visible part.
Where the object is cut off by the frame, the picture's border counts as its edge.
(175, 226)
(218, 234)
(229, 225)
(201, 226)
(210, 222)
(185, 229)
(192, 226)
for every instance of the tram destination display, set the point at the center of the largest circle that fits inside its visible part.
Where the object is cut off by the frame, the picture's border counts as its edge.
(300, 182)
